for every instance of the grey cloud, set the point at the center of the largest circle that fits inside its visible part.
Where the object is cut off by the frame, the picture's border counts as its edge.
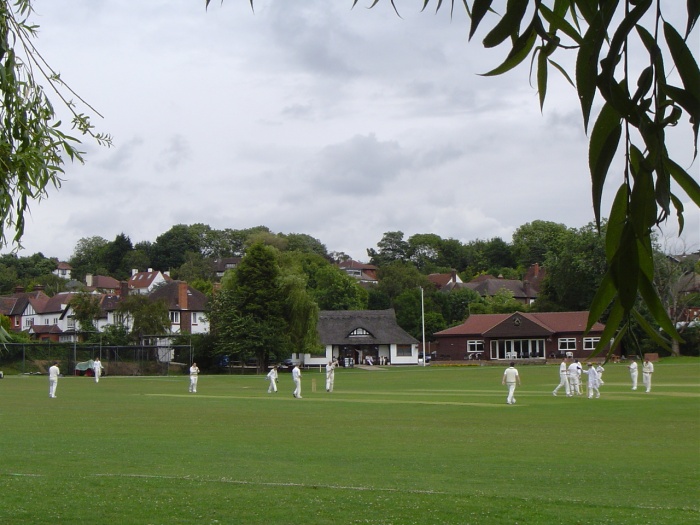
(121, 157)
(359, 166)
(174, 154)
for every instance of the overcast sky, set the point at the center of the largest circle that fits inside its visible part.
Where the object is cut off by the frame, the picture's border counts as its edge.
(308, 116)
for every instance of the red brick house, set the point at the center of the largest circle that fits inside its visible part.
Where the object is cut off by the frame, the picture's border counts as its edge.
(519, 336)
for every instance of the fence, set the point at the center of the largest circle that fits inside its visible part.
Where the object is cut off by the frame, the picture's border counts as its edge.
(31, 358)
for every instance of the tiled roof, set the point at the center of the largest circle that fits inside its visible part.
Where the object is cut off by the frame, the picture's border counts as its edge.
(170, 293)
(355, 265)
(555, 322)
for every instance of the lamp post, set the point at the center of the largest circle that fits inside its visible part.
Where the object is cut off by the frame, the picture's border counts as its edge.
(422, 320)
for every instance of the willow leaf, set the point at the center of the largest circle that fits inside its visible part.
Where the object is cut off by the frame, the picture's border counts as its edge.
(521, 49)
(604, 296)
(605, 138)
(479, 10)
(689, 184)
(509, 25)
(558, 23)
(693, 15)
(611, 326)
(653, 333)
(542, 78)
(616, 221)
(656, 308)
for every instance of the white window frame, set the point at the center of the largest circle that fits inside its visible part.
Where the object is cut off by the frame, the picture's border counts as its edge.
(566, 343)
(589, 343)
(175, 317)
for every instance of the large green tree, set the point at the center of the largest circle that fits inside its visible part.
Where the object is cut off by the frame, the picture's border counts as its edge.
(576, 265)
(248, 313)
(533, 240)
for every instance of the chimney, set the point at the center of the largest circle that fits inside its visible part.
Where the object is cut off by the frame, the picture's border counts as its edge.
(182, 295)
(454, 276)
(88, 279)
(150, 270)
(19, 289)
(134, 271)
(123, 289)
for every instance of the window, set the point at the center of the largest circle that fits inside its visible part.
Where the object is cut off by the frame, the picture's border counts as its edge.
(359, 332)
(590, 342)
(29, 322)
(17, 321)
(175, 317)
(404, 350)
(475, 346)
(194, 317)
(567, 343)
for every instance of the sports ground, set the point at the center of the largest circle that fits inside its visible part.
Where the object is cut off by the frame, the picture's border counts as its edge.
(392, 445)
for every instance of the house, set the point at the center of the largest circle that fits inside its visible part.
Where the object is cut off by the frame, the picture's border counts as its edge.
(490, 286)
(519, 336)
(225, 263)
(63, 270)
(445, 281)
(102, 284)
(146, 282)
(22, 307)
(352, 336)
(364, 273)
(186, 307)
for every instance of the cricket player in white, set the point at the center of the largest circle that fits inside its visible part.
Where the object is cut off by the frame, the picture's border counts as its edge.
(330, 375)
(575, 377)
(510, 378)
(563, 379)
(272, 378)
(600, 371)
(54, 372)
(194, 375)
(593, 381)
(647, 370)
(97, 369)
(633, 373)
(296, 376)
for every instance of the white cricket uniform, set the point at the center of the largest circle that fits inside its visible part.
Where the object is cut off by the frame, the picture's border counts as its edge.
(97, 370)
(633, 374)
(510, 377)
(563, 379)
(194, 375)
(330, 376)
(53, 380)
(593, 382)
(600, 371)
(647, 370)
(296, 376)
(272, 378)
(575, 378)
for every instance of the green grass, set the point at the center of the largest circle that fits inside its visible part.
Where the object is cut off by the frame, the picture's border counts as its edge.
(435, 445)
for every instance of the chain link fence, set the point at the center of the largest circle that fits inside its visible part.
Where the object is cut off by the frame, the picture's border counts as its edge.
(36, 358)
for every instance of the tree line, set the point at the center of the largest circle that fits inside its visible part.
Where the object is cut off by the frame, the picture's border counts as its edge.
(300, 276)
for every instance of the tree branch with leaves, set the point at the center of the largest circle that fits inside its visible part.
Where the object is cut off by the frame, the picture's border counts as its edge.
(33, 143)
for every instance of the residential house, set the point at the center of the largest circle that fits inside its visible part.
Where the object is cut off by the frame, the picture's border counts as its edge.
(445, 281)
(146, 282)
(63, 270)
(353, 336)
(225, 263)
(519, 336)
(186, 307)
(364, 273)
(102, 283)
(490, 286)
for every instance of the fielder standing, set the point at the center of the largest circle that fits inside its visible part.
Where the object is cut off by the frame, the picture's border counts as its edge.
(511, 378)
(194, 375)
